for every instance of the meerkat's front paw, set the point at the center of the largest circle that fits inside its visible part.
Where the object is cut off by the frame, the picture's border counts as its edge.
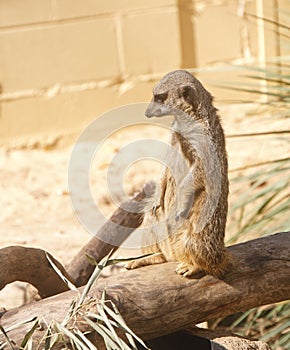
(134, 264)
(154, 258)
(186, 270)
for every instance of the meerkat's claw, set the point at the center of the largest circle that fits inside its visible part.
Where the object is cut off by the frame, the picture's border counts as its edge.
(186, 270)
(134, 264)
(155, 208)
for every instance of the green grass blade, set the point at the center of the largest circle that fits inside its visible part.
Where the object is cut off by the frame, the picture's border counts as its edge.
(19, 324)
(95, 275)
(71, 311)
(29, 334)
(70, 285)
(73, 338)
(119, 319)
(101, 311)
(11, 346)
(89, 344)
(103, 333)
(275, 331)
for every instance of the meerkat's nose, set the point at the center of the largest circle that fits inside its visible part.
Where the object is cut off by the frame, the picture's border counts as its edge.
(152, 110)
(156, 110)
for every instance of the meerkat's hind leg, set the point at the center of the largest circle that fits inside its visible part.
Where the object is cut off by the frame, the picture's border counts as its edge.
(155, 258)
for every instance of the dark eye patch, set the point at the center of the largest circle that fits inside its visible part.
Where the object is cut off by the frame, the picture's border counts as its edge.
(160, 98)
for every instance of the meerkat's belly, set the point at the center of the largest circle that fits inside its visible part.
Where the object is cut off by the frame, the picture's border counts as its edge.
(167, 233)
(176, 169)
(173, 246)
(177, 165)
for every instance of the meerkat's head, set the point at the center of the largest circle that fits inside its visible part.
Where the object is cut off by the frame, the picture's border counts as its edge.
(178, 91)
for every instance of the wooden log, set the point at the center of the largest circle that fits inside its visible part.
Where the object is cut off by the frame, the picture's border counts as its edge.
(110, 236)
(31, 265)
(155, 301)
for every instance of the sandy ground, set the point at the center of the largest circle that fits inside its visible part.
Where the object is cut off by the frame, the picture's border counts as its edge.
(35, 203)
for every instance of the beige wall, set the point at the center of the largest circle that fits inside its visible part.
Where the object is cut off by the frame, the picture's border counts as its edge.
(63, 62)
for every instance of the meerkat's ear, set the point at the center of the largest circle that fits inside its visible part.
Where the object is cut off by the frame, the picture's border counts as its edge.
(188, 93)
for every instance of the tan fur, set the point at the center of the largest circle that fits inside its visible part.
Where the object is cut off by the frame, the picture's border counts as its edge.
(188, 222)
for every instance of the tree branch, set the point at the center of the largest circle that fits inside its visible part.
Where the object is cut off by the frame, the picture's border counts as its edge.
(31, 265)
(110, 236)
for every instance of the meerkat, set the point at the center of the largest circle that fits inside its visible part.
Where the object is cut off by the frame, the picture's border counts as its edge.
(187, 215)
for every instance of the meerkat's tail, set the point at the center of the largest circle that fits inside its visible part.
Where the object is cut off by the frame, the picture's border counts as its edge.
(208, 255)
(222, 264)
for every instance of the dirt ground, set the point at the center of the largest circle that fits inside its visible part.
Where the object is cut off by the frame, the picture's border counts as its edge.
(35, 204)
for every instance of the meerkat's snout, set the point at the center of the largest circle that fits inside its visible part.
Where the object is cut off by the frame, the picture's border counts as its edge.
(150, 110)
(156, 109)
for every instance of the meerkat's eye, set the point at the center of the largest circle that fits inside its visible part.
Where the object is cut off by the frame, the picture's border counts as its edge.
(160, 98)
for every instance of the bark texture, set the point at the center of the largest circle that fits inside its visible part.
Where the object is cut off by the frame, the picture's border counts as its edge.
(31, 265)
(155, 301)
